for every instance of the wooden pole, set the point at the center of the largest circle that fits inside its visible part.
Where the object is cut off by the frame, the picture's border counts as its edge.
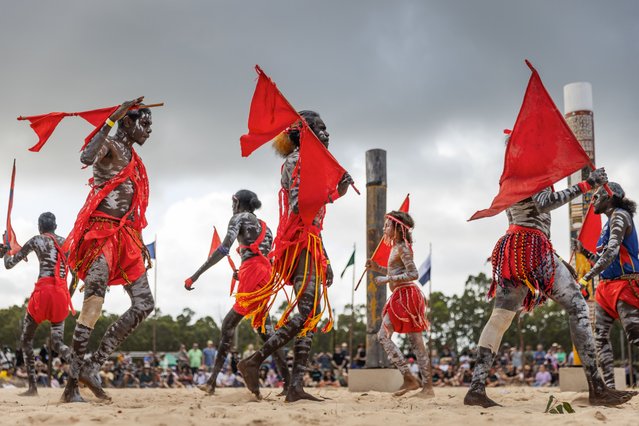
(429, 379)
(155, 296)
(375, 295)
(631, 371)
(50, 357)
(350, 331)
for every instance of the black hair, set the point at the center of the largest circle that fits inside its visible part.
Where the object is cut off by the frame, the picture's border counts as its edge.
(308, 116)
(247, 200)
(407, 220)
(46, 222)
(134, 114)
(624, 203)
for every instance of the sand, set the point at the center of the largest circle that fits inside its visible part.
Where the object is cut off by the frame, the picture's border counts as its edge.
(523, 406)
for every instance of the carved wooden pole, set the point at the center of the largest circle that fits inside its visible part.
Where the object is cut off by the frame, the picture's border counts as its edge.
(579, 116)
(375, 296)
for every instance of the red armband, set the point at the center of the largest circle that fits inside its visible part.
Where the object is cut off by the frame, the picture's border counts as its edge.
(584, 186)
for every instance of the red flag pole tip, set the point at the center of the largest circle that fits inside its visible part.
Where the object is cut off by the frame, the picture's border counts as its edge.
(355, 189)
(530, 65)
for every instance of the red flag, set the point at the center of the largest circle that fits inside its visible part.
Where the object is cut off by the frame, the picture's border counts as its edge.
(11, 235)
(381, 253)
(590, 230)
(319, 175)
(270, 114)
(542, 150)
(215, 242)
(97, 117)
(45, 124)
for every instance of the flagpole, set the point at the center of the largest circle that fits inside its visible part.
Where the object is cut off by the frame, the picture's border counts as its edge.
(430, 316)
(155, 296)
(350, 333)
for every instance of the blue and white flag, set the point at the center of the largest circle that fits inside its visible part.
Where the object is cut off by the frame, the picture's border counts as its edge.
(151, 249)
(424, 271)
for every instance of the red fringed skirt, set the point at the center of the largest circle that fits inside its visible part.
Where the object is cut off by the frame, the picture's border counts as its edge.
(524, 256)
(294, 243)
(50, 300)
(122, 248)
(406, 309)
(254, 274)
(609, 292)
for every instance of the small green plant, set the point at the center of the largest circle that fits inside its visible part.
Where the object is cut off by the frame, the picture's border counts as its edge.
(555, 406)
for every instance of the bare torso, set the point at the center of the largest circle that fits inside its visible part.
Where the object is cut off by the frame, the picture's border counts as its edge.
(117, 156)
(46, 251)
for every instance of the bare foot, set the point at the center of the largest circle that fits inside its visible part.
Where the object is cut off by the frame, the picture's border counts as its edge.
(610, 397)
(71, 392)
(295, 394)
(410, 383)
(425, 393)
(480, 399)
(32, 391)
(90, 377)
(208, 389)
(250, 372)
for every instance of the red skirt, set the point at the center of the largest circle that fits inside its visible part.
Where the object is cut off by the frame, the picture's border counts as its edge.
(609, 292)
(122, 248)
(49, 301)
(524, 256)
(406, 309)
(254, 274)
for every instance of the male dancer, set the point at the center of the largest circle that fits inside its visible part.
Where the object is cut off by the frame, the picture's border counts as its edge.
(50, 300)
(255, 240)
(617, 294)
(405, 310)
(105, 246)
(526, 271)
(299, 260)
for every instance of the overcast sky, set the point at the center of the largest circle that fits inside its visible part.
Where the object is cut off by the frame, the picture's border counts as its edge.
(432, 82)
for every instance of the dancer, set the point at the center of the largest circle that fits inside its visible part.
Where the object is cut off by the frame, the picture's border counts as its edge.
(299, 260)
(526, 271)
(105, 246)
(255, 240)
(50, 300)
(617, 294)
(404, 311)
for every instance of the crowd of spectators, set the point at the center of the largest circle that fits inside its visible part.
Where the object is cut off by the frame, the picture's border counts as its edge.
(192, 367)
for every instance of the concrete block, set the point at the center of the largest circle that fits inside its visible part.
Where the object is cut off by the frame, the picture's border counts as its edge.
(374, 379)
(573, 379)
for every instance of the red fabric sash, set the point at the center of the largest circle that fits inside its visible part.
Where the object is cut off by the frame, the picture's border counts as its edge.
(136, 172)
(61, 260)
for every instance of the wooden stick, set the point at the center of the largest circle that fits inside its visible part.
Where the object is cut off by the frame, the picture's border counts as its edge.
(148, 106)
(360, 279)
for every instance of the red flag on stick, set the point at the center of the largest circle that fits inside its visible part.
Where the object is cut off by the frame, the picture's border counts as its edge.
(45, 124)
(319, 175)
(215, 243)
(270, 114)
(10, 236)
(381, 253)
(542, 150)
(590, 230)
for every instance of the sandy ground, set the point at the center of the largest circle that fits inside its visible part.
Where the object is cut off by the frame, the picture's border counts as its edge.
(523, 406)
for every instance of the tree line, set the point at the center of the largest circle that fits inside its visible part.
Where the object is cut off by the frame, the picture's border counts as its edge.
(456, 322)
